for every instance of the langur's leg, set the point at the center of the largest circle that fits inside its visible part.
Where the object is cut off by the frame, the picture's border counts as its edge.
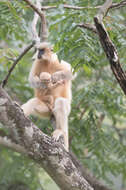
(35, 107)
(61, 112)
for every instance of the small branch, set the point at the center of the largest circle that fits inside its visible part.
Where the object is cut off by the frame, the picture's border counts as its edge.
(5, 141)
(80, 8)
(109, 47)
(83, 112)
(4, 82)
(118, 5)
(100, 120)
(88, 26)
(68, 7)
(9, 58)
(48, 7)
(36, 9)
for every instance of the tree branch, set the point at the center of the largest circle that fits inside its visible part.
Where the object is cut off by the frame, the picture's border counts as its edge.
(41, 148)
(5, 141)
(88, 26)
(118, 5)
(104, 9)
(44, 34)
(80, 8)
(4, 82)
(34, 25)
(114, 5)
(109, 47)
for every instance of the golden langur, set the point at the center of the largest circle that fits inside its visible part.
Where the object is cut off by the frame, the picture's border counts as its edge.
(51, 81)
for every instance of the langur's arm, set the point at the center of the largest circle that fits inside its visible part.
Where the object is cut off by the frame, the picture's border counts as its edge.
(64, 75)
(64, 72)
(34, 80)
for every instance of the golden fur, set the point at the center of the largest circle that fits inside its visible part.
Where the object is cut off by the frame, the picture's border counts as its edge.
(47, 64)
(51, 81)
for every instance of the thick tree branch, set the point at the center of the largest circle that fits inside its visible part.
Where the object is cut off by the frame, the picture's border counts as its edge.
(4, 82)
(109, 47)
(41, 148)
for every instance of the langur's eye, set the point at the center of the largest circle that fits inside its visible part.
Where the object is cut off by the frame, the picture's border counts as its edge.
(40, 53)
(41, 50)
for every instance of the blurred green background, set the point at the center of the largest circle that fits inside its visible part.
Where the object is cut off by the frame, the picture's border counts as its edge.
(97, 123)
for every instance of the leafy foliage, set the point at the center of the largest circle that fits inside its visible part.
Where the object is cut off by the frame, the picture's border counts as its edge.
(97, 121)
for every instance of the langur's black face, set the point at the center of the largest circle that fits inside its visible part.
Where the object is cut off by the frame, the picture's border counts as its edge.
(40, 53)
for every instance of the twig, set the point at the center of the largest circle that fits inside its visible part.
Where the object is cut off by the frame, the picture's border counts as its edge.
(100, 120)
(4, 82)
(83, 112)
(48, 7)
(36, 9)
(80, 8)
(109, 47)
(9, 58)
(88, 26)
(118, 131)
(69, 7)
(118, 5)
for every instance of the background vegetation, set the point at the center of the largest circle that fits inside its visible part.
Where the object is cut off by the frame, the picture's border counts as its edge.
(97, 121)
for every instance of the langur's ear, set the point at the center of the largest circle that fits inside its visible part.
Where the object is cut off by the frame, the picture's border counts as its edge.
(52, 48)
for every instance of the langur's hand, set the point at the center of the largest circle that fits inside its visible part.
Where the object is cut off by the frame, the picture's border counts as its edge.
(56, 84)
(37, 82)
(45, 77)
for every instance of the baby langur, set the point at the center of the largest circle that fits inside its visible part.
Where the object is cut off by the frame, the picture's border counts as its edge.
(48, 83)
(51, 81)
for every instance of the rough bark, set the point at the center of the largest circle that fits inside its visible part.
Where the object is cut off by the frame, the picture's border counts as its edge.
(108, 46)
(40, 147)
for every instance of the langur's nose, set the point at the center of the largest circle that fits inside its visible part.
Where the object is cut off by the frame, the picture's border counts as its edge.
(40, 53)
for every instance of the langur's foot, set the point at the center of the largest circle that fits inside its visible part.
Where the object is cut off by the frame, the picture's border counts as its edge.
(58, 135)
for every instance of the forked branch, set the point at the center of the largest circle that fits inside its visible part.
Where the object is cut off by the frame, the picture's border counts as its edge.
(44, 30)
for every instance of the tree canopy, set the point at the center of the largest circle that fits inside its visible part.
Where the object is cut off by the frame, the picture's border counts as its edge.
(97, 128)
